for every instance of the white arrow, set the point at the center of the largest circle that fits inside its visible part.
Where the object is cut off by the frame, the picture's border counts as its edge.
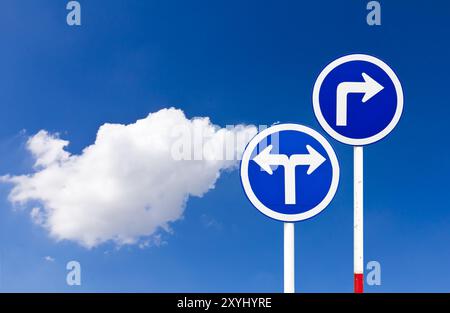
(265, 160)
(369, 87)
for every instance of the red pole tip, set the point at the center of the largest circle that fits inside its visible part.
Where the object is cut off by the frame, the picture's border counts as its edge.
(359, 283)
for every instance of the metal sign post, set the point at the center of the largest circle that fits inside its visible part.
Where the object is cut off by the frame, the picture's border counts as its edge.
(289, 257)
(358, 232)
(358, 100)
(289, 180)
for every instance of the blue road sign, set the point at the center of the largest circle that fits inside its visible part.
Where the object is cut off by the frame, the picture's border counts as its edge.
(289, 172)
(358, 99)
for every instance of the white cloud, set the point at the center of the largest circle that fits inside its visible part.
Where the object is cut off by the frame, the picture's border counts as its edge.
(210, 222)
(154, 241)
(49, 259)
(36, 215)
(128, 185)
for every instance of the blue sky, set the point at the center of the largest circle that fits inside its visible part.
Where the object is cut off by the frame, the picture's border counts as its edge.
(236, 62)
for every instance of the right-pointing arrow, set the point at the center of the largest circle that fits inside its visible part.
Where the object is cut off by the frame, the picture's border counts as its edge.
(369, 87)
(314, 159)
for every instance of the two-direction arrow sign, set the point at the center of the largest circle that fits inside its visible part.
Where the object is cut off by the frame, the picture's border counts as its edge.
(296, 145)
(369, 88)
(265, 160)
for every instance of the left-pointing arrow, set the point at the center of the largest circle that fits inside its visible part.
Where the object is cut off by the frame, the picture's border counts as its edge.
(266, 160)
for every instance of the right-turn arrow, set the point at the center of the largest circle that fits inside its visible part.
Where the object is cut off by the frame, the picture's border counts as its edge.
(369, 87)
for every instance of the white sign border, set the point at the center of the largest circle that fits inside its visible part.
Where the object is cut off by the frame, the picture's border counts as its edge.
(249, 191)
(324, 123)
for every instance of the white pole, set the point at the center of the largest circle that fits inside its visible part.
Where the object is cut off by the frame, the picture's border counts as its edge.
(289, 272)
(358, 235)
